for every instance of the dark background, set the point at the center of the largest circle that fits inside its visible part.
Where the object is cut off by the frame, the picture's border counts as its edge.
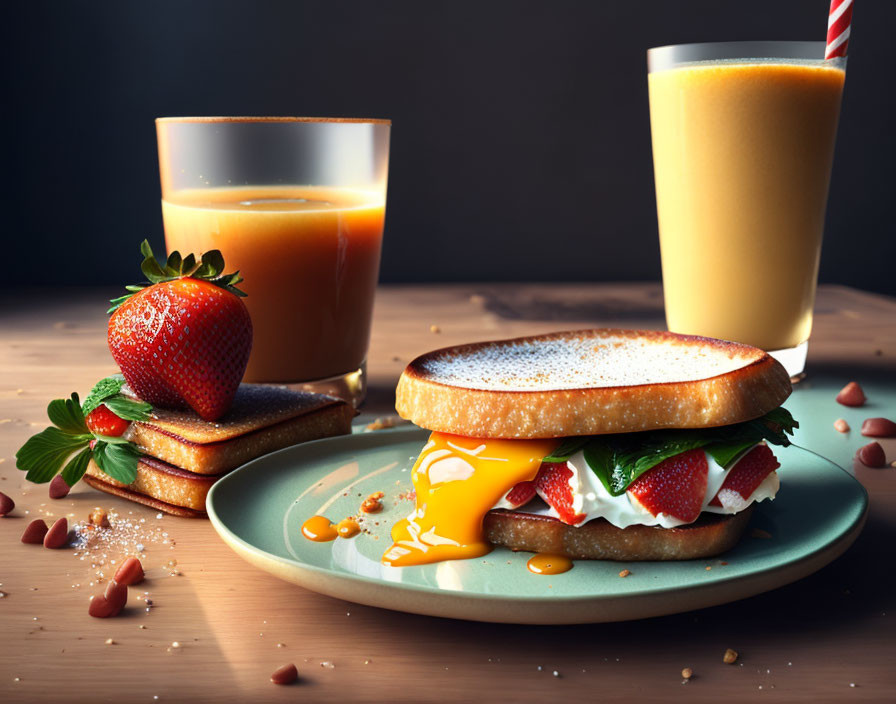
(520, 143)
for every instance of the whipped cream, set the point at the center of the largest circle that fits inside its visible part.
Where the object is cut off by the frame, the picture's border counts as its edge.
(590, 497)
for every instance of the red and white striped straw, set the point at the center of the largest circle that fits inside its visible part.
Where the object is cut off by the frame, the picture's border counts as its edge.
(839, 19)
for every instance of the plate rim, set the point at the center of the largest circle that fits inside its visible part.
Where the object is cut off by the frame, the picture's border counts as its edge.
(358, 442)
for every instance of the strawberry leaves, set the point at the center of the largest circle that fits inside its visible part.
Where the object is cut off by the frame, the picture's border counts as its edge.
(69, 445)
(44, 454)
(210, 267)
(128, 408)
(103, 389)
(107, 392)
(66, 414)
(118, 460)
(76, 467)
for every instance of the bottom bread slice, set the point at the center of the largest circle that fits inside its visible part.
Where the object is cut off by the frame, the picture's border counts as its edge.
(127, 493)
(599, 539)
(163, 482)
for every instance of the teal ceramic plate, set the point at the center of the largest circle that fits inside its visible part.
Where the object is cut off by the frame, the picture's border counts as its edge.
(259, 510)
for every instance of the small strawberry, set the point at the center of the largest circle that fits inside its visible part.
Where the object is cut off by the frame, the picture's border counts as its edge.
(102, 421)
(552, 485)
(521, 494)
(675, 487)
(184, 339)
(747, 474)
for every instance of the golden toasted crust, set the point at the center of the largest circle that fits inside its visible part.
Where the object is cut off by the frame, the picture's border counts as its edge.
(163, 482)
(255, 406)
(264, 419)
(598, 539)
(589, 382)
(125, 493)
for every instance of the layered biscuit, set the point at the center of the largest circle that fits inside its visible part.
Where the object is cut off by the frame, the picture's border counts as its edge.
(183, 455)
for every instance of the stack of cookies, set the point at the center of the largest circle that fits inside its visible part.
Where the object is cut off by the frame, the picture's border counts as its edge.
(183, 455)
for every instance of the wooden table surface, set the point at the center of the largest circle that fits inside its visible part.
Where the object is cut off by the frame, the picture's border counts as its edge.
(810, 641)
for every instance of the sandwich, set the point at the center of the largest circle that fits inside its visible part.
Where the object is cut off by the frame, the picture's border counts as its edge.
(182, 455)
(593, 444)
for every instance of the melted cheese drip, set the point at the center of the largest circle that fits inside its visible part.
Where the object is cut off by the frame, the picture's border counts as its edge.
(457, 481)
(545, 563)
(348, 528)
(319, 529)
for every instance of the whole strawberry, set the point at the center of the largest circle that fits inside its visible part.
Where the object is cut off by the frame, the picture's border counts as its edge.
(184, 339)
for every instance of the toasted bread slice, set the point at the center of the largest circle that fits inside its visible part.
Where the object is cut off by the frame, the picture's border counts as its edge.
(126, 493)
(589, 382)
(262, 419)
(163, 482)
(599, 539)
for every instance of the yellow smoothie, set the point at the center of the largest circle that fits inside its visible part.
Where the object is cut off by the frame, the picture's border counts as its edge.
(310, 259)
(742, 157)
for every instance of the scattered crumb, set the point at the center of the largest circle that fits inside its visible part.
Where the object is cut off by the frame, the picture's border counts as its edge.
(435, 329)
(175, 644)
(141, 627)
(625, 573)
(687, 673)
(759, 533)
(730, 657)
(555, 673)
(110, 641)
(708, 568)
(98, 517)
(841, 426)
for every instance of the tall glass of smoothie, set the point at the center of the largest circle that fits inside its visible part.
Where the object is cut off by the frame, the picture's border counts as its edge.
(297, 205)
(743, 139)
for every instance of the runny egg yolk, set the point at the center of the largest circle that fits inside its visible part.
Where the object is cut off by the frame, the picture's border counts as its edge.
(457, 481)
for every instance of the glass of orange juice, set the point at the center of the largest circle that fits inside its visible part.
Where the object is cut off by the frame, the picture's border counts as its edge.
(743, 140)
(297, 205)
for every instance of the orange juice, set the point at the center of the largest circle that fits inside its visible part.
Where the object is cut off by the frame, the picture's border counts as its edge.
(310, 259)
(742, 157)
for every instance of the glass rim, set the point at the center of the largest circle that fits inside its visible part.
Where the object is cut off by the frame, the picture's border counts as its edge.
(663, 57)
(268, 119)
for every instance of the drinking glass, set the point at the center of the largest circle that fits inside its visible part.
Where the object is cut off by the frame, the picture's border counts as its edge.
(743, 139)
(297, 205)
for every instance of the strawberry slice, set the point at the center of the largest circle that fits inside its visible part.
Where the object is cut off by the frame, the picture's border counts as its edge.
(552, 485)
(102, 421)
(748, 474)
(521, 494)
(675, 487)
